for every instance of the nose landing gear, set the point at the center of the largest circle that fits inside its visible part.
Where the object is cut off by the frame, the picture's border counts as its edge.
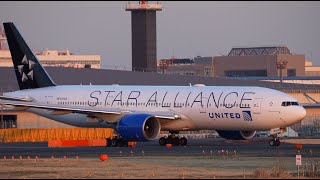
(274, 142)
(173, 139)
(275, 134)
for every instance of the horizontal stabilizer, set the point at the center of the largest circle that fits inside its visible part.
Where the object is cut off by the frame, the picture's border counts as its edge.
(74, 109)
(16, 99)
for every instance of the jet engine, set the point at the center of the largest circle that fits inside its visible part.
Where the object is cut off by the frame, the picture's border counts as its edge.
(236, 135)
(138, 127)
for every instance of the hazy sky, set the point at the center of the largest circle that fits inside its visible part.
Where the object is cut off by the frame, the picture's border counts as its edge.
(185, 29)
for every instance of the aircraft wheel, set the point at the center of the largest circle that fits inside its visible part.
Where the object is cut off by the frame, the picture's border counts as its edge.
(183, 141)
(272, 142)
(125, 144)
(109, 141)
(162, 141)
(122, 143)
(176, 141)
(115, 142)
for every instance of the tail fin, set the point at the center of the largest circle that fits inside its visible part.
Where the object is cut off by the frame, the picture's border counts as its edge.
(29, 71)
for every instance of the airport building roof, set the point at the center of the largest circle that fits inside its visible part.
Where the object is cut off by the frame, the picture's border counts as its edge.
(85, 76)
(258, 51)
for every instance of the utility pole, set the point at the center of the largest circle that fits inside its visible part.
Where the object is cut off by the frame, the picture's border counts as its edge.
(281, 66)
(163, 65)
(2, 126)
(2, 122)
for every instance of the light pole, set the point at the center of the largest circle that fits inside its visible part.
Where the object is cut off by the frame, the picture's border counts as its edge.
(281, 65)
(2, 122)
(163, 65)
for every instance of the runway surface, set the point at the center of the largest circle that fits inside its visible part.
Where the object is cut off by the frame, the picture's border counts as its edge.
(201, 158)
(257, 147)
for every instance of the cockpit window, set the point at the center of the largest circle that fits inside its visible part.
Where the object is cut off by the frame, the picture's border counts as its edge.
(289, 103)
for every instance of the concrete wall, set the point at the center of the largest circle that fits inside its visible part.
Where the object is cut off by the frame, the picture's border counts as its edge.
(27, 120)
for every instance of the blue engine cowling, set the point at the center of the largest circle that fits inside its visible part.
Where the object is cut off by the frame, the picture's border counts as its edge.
(236, 135)
(138, 127)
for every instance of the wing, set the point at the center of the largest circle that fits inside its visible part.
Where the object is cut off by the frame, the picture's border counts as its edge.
(107, 114)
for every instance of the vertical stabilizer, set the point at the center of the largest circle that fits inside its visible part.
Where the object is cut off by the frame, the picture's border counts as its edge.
(29, 71)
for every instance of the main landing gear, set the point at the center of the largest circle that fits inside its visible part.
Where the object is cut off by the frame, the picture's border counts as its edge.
(275, 136)
(116, 142)
(173, 139)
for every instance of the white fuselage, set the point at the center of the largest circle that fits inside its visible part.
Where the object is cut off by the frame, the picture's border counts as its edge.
(208, 107)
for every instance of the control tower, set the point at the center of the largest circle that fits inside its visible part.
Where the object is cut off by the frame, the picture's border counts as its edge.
(144, 35)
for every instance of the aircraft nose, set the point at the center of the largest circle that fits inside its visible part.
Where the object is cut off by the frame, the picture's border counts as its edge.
(300, 114)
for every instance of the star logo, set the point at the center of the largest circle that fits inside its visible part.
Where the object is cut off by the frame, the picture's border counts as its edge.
(26, 63)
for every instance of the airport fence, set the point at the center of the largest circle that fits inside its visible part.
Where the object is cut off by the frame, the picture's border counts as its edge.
(309, 126)
(45, 135)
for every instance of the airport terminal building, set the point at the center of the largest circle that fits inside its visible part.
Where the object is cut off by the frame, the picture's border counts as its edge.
(57, 58)
(259, 62)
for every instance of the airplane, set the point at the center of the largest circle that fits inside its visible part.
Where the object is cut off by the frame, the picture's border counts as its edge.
(139, 113)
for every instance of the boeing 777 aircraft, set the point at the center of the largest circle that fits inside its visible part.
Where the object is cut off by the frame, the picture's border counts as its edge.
(139, 113)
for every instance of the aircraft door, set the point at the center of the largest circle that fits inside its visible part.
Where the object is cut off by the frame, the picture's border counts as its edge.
(257, 105)
(49, 99)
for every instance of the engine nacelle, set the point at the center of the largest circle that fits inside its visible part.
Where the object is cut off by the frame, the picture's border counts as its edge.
(236, 135)
(138, 127)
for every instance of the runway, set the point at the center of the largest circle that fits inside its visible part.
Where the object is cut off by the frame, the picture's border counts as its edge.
(201, 158)
(255, 147)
